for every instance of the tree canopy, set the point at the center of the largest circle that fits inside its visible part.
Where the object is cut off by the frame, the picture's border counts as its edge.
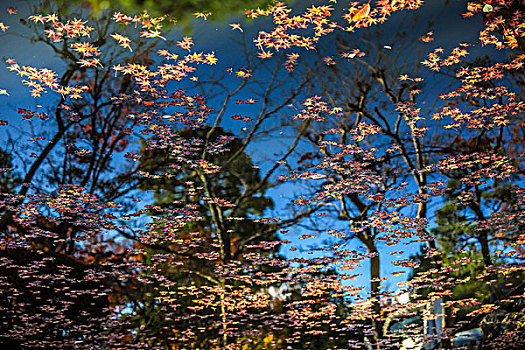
(311, 177)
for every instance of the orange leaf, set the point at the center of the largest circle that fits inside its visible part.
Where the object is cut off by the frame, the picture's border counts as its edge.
(362, 13)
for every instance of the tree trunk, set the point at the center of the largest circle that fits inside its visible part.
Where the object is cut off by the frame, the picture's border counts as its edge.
(375, 275)
(485, 250)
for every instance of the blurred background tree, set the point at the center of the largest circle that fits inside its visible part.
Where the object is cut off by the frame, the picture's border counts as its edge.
(57, 259)
(224, 200)
(182, 11)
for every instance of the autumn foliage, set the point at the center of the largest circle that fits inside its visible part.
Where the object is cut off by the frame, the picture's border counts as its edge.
(321, 189)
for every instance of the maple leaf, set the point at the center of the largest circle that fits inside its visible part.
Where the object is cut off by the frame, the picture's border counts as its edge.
(360, 14)
(210, 58)
(186, 43)
(122, 40)
(236, 26)
(152, 34)
(203, 15)
(264, 54)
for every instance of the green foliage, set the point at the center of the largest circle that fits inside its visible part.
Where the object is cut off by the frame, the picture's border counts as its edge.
(183, 11)
(458, 265)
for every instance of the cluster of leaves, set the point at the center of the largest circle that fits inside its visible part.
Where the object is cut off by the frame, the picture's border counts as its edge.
(142, 222)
